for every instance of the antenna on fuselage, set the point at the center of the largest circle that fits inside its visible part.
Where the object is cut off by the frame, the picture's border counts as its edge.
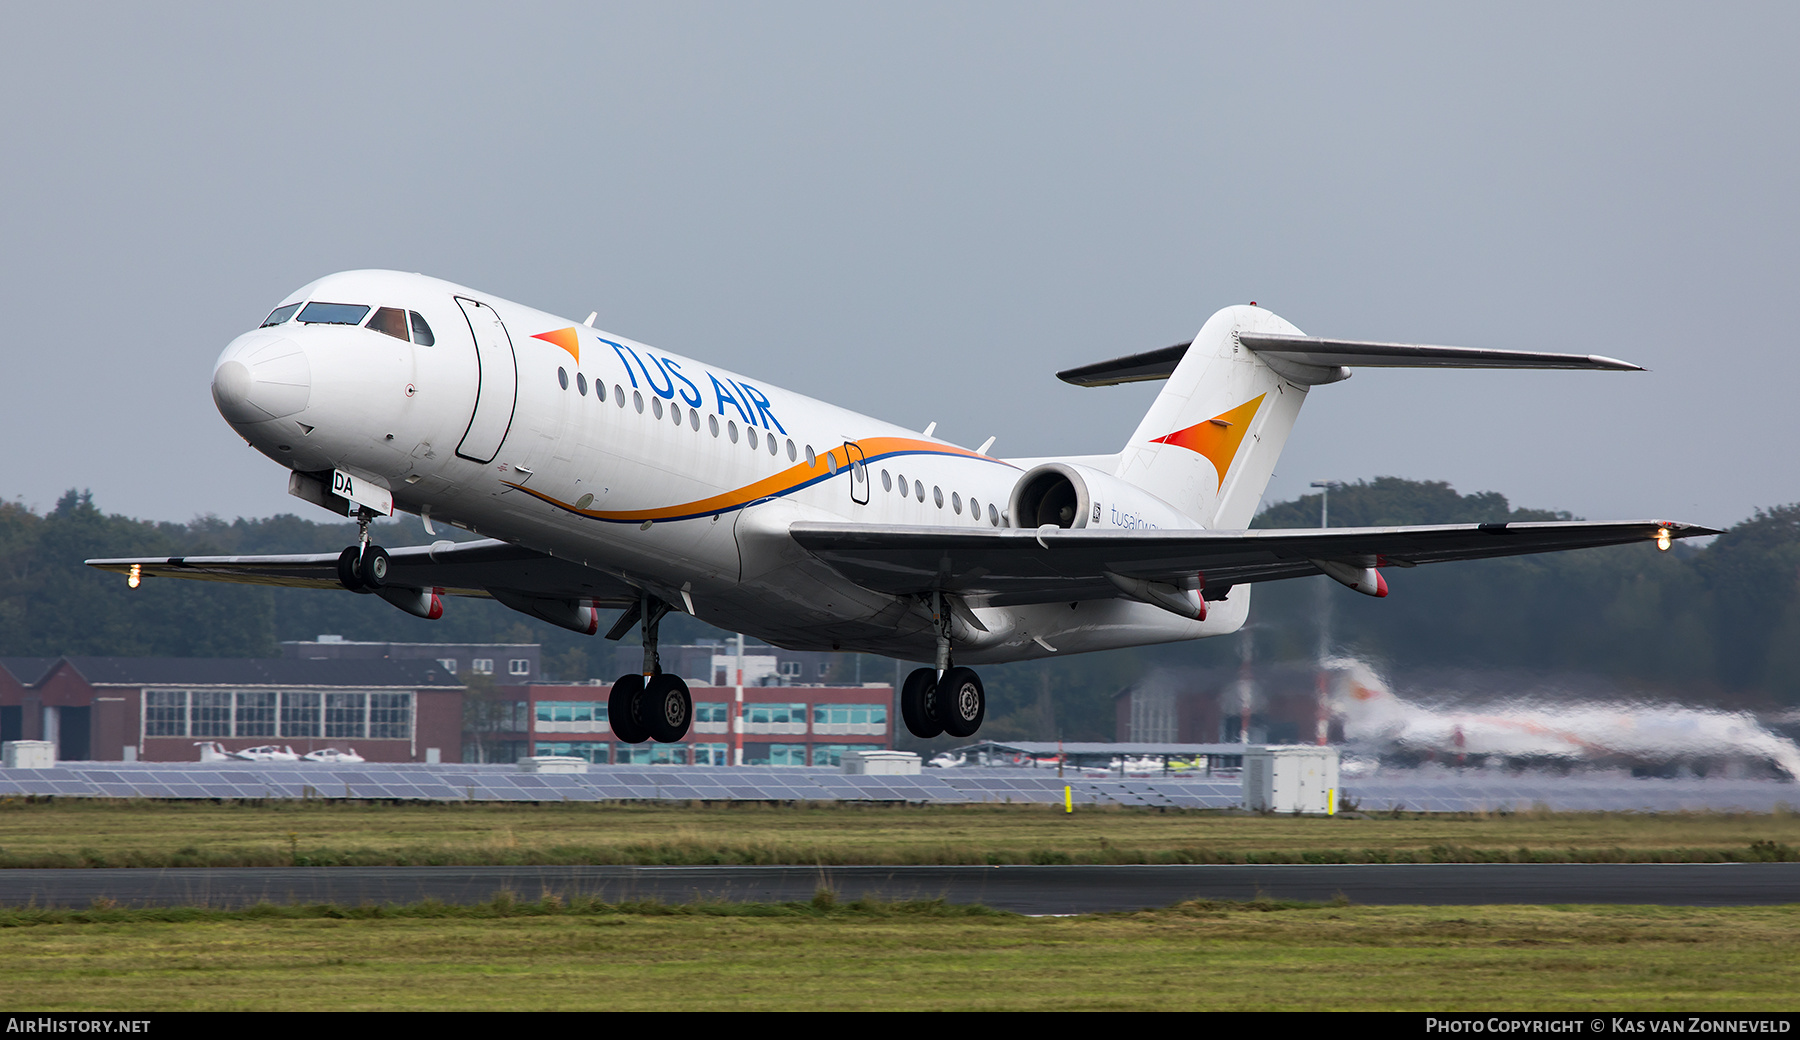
(590, 319)
(930, 428)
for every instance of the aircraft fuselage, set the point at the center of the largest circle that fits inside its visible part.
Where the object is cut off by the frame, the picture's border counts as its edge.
(656, 470)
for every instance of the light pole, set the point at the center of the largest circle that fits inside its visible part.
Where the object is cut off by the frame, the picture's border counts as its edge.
(1322, 715)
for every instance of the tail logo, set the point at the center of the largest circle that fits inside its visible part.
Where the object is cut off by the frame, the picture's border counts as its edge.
(1217, 439)
(564, 338)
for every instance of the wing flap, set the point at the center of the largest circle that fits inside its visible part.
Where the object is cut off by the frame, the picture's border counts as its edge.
(1019, 566)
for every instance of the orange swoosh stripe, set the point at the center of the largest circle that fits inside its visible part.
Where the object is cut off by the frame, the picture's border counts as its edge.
(564, 338)
(785, 482)
(1217, 439)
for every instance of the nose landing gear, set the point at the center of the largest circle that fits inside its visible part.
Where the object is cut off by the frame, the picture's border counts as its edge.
(652, 705)
(363, 567)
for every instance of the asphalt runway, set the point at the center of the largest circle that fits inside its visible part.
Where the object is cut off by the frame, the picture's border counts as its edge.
(1023, 889)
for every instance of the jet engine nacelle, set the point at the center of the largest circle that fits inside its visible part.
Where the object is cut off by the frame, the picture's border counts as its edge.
(576, 615)
(1064, 494)
(425, 603)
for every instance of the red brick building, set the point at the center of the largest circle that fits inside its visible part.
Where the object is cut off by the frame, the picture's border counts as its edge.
(159, 709)
(781, 725)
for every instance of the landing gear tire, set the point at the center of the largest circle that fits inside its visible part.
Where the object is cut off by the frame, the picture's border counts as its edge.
(347, 571)
(666, 708)
(918, 703)
(961, 702)
(624, 709)
(373, 567)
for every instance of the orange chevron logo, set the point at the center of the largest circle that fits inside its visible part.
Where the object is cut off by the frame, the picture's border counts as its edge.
(564, 338)
(1217, 439)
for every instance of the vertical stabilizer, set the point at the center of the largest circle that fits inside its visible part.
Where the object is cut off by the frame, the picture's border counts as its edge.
(1209, 442)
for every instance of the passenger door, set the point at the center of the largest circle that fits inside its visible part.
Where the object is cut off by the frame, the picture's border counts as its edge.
(859, 474)
(497, 383)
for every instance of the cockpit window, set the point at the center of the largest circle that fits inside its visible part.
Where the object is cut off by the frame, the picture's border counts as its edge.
(333, 314)
(280, 314)
(390, 321)
(421, 331)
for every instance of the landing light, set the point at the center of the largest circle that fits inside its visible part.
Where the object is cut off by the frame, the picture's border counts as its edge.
(136, 576)
(1662, 539)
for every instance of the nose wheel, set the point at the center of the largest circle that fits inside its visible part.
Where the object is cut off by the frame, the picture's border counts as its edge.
(363, 567)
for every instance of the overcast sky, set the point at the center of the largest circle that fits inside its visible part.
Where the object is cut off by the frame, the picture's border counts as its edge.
(923, 211)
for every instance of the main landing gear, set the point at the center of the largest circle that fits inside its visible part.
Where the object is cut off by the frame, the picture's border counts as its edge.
(363, 567)
(653, 705)
(944, 699)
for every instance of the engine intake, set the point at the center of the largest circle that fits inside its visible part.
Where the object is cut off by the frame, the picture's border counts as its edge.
(1064, 494)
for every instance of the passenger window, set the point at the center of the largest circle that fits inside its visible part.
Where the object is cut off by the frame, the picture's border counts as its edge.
(421, 331)
(333, 314)
(280, 314)
(389, 321)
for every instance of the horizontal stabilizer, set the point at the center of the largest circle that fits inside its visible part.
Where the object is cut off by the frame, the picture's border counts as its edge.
(1350, 353)
(1132, 368)
(1336, 353)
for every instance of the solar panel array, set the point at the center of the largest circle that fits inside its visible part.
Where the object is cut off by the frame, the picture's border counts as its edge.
(1452, 791)
(1421, 792)
(601, 783)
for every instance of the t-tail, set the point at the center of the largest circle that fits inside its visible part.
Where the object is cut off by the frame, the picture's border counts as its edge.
(1209, 442)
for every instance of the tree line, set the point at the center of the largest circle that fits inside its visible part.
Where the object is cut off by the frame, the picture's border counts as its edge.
(1719, 622)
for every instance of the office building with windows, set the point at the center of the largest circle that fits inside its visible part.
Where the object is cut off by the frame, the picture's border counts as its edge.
(506, 662)
(161, 709)
(781, 725)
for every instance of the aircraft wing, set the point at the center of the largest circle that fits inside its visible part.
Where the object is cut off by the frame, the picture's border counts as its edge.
(1013, 566)
(459, 568)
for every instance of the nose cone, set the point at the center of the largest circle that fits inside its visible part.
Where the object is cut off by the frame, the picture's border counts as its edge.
(262, 375)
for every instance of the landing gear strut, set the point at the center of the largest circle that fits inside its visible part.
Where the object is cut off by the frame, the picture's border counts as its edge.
(363, 567)
(945, 699)
(652, 705)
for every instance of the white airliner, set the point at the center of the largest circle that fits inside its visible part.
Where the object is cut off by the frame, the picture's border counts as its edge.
(1641, 734)
(604, 473)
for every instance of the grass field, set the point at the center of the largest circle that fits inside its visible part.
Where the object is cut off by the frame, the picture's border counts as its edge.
(86, 832)
(822, 956)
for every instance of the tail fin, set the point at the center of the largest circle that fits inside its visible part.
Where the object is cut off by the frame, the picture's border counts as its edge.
(1209, 443)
